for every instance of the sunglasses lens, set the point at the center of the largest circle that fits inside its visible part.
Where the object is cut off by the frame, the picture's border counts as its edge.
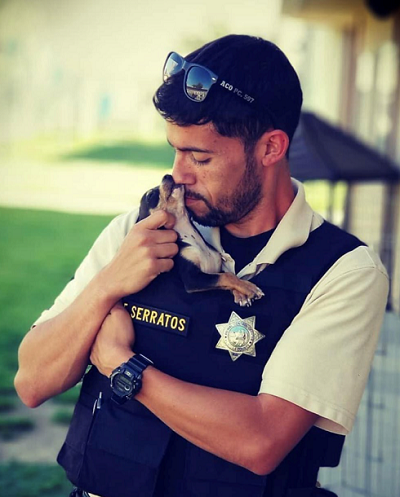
(198, 82)
(173, 65)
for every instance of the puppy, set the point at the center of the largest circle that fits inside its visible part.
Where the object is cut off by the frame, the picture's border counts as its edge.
(198, 263)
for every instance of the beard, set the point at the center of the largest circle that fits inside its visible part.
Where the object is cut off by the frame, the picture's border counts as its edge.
(231, 208)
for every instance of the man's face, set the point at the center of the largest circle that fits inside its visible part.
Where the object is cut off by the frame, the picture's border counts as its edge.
(222, 184)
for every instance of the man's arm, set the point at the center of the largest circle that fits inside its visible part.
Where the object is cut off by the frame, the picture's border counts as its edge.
(255, 432)
(54, 354)
(323, 359)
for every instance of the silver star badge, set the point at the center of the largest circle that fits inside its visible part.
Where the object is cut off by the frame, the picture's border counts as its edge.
(238, 336)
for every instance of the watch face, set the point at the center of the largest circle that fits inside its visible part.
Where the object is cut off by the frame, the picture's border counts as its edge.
(123, 384)
(126, 380)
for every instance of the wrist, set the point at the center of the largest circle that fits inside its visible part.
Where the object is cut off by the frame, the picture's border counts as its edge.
(126, 379)
(106, 288)
(102, 290)
(117, 358)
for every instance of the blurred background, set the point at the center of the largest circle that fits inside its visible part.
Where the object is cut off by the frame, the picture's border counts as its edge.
(80, 142)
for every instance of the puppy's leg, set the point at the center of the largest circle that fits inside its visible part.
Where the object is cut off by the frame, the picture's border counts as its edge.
(195, 280)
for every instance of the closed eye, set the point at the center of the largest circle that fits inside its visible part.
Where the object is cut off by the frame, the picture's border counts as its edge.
(199, 162)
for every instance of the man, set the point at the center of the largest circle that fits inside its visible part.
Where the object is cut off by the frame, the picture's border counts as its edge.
(191, 411)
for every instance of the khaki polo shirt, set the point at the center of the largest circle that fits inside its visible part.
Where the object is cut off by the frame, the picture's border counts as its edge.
(322, 361)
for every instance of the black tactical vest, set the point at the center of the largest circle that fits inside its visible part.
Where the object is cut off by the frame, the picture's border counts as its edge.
(125, 451)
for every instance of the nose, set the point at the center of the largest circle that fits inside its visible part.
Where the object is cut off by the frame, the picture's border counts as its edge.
(182, 171)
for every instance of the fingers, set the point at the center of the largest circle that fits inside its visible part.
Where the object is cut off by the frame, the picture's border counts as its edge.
(163, 236)
(159, 260)
(158, 219)
(166, 250)
(164, 265)
(148, 228)
(145, 253)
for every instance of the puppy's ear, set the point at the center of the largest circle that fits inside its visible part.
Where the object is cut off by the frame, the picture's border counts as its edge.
(148, 202)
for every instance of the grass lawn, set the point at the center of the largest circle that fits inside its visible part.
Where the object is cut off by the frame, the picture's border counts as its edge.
(130, 152)
(39, 252)
(101, 148)
(33, 480)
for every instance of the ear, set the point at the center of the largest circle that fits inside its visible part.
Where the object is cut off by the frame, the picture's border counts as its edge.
(274, 145)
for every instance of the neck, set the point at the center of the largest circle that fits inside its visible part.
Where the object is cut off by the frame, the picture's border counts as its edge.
(277, 197)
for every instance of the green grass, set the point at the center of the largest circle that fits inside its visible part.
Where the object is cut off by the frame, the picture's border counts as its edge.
(50, 147)
(67, 398)
(101, 148)
(33, 480)
(130, 152)
(7, 403)
(12, 426)
(39, 252)
(62, 416)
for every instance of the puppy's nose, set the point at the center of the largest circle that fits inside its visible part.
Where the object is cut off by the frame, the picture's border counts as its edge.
(168, 179)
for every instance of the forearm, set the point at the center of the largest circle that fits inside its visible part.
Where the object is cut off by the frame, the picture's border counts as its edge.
(234, 426)
(54, 354)
(227, 424)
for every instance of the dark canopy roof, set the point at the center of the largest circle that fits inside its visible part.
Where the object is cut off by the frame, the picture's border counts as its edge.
(322, 151)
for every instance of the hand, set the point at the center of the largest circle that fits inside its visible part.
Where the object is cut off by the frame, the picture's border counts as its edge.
(114, 341)
(144, 254)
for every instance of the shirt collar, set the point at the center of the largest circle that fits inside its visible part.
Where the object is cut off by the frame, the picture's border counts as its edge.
(293, 229)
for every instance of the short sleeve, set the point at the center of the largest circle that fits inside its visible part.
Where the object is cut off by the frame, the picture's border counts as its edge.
(101, 253)
(323, 359)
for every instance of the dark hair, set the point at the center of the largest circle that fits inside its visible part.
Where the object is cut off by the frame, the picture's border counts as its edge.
(251, 64)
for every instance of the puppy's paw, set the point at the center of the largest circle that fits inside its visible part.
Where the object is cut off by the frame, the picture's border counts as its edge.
(247, 294)
(240, 299)
(258, 293)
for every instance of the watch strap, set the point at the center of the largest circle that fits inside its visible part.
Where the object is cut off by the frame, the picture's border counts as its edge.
(139, 363)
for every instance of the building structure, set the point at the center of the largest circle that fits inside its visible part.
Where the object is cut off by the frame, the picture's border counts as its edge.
(352, 77)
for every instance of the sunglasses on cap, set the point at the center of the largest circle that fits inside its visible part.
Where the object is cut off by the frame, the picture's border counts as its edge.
(198, 79)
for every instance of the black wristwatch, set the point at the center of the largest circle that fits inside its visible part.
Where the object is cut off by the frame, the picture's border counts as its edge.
(126, 380)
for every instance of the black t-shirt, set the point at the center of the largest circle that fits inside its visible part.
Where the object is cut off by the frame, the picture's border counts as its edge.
(243, 250)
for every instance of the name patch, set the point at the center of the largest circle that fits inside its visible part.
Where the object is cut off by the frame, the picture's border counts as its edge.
(159, 318)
